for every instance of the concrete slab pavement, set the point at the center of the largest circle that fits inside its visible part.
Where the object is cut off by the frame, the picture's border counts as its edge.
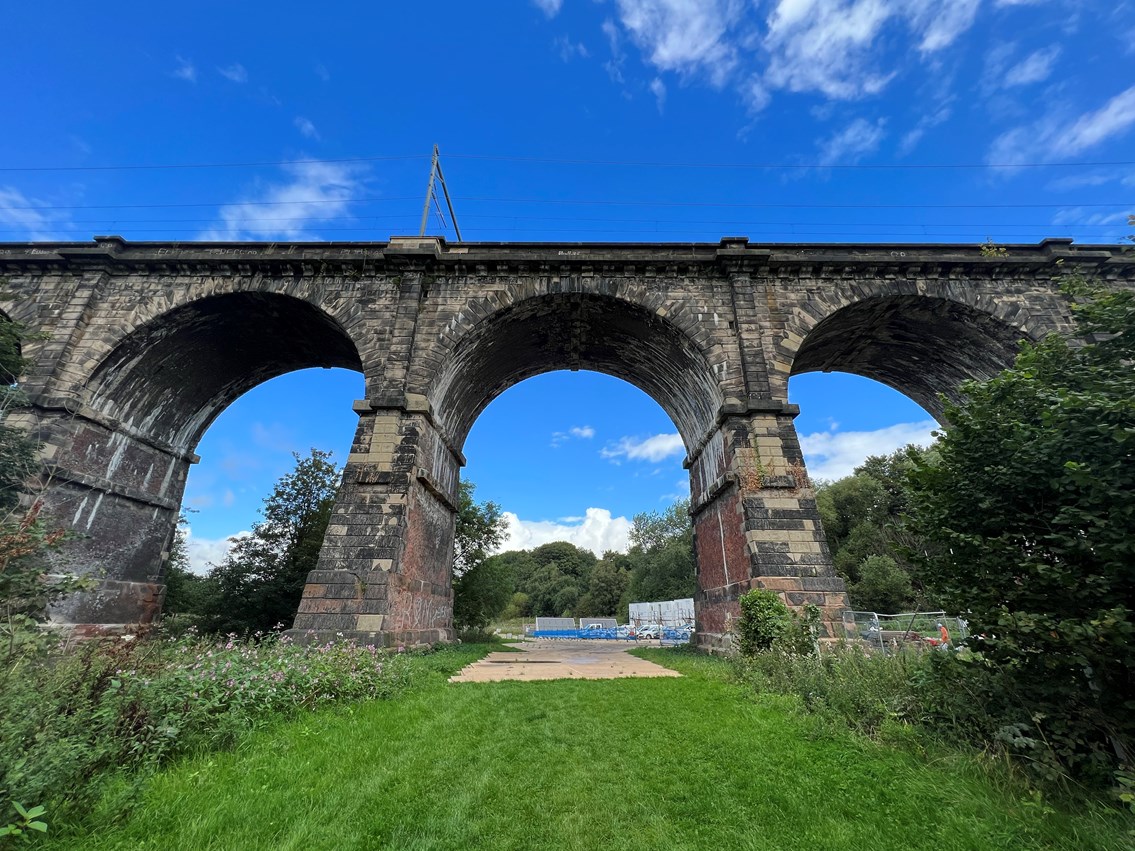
(560, 659)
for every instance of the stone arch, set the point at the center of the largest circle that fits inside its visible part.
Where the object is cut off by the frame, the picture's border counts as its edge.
(164, 306)
(920, 343)
(576, 331)
(119, 461)
(173, 375)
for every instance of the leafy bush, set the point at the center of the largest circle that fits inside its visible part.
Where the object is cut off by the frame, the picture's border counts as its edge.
(76, 727)
(864, 691)
(764, 618)
(1031, 507)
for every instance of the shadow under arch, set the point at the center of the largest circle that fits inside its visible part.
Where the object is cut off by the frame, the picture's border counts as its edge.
(170, 378)
(577, 331)
(921, 346)
(130, 444)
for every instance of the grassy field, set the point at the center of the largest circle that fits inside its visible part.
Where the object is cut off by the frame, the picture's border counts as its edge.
(690, 763)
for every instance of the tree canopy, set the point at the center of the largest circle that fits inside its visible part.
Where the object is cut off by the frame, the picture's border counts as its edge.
(1032, 507)
(261, 580)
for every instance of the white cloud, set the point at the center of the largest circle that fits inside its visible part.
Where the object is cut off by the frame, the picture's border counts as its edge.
(928, 122)
(551, 8)
(185, 70)
(685, 36)
(569, 49)
(585, 432)
(1061, 135)
(204, 553)
(597, 531)
(1034, 68)
(315, 192)
(860, 137)
(653, 449)
(835, 454)
(30, 217)
(235, 72)
(832, 47)
(658, 89)
(306, 128)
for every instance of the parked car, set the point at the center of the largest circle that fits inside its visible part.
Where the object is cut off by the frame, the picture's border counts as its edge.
(651, 630)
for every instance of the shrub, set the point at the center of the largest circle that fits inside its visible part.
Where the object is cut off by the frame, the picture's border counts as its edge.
(764, 618)
(72, 727)
(767, 623)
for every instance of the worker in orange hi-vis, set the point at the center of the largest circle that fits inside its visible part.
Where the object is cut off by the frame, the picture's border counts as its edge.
(943, 633)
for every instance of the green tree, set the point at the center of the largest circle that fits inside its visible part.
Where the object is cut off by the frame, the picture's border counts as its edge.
(1032, 506)
(482, 586)
(187, 593)
(480, 529)
(882, 586)
(25, 590)
(662, 553)
(18, 451)
(260, 582)
(608, 586)
(863, 518)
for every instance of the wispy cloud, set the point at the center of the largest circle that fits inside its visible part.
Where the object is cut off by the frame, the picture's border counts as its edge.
(596, 531)
(569, 49)
(654, 449)
(312, 193)
(835, 454)
(322, 73)
(185, 70)
(551, 8)
(1062, 135)
(658, 89)
(1034, 68)
(235, 72)
(306, 128)
(830, 47)
(28, 217)
(685, 36)
(925, 124)
(585, 432)
(859, 138)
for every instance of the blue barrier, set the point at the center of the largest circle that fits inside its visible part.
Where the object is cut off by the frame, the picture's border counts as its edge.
(669, 634)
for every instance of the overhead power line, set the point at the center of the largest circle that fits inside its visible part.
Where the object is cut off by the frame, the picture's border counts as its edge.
(618, 163)
(586, 202)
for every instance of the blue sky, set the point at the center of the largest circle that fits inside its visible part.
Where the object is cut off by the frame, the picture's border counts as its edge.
(796, 120)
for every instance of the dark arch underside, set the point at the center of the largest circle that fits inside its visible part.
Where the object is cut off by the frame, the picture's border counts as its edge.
(171, 377)
(919, 346)
(577, 331)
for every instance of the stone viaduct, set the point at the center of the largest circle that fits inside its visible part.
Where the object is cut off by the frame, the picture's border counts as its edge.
(141, 345)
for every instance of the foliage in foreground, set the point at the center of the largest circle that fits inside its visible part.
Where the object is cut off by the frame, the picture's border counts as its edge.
(1031, 509)
(100, 719)
(766, 623)
(261, 580)
(680, 763)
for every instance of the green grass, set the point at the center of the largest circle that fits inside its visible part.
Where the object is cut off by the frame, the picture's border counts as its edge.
(690, 763)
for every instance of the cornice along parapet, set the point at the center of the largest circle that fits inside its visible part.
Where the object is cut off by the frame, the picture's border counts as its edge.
(731, 256)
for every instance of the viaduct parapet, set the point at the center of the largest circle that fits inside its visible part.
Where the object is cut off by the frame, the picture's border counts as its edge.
(141, 345)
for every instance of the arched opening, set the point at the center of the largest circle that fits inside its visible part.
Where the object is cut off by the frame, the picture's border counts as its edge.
(572, 458)
(171, 377)
(918, 345)
(121, 463)
(888, 364)
(577, 331)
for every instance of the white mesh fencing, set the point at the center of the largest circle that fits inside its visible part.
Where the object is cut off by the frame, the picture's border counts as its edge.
(669, 613)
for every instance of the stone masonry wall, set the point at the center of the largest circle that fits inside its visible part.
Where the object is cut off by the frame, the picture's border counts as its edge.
(711, 331)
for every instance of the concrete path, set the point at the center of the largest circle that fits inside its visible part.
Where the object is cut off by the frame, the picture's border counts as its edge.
(561, 659)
